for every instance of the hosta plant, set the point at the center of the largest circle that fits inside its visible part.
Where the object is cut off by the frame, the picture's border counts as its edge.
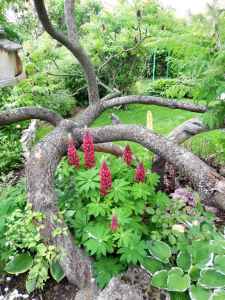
(195, 268)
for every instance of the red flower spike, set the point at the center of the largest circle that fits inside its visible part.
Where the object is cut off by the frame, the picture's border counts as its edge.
(140, 173)
(89, 151)
(105, 179)
(73, 157)
(114, 223)
(127, 155)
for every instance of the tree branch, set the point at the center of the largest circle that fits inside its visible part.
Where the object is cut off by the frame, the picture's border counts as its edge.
(28, 113)
(71, 44)
(188, 129)
(155, 101)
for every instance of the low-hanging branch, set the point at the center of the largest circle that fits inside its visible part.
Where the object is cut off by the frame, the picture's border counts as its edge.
(28, 113)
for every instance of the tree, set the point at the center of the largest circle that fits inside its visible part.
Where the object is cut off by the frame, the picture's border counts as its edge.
(47, 154)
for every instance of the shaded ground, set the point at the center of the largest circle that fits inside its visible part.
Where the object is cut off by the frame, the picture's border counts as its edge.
(15, 285)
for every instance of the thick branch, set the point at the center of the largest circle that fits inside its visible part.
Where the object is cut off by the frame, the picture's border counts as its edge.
(40, 170)
(71, 44)
(209, 184)
(155, 101)
(188, 129)
(28, 113)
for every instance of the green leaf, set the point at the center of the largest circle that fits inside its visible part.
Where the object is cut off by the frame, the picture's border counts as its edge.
(177, 281)
(211, 279)
(31, 284)
(218, 295)
(120, 191)
(201, 253)
(159, 279)
(105, 269)
(152, 265)
(184, 260)
(160, 250)
(20, 264)
(194, 273)
(199, 293)
(219, 263)
(56, 271)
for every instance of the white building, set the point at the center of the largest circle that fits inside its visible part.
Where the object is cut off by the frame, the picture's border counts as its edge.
(11, 69)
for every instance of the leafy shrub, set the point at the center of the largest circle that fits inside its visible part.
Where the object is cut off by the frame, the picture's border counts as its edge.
(170, 88)
(116, 228)
(21, 246)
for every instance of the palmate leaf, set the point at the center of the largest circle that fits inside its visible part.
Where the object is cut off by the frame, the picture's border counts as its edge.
(106, 268)
(97, 208)
(134, 252)
(120, 191)
(140, 191)
(88, 182)
(98, 239)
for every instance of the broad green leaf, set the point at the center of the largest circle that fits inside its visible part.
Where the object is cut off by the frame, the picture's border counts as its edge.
(177, 281)
(56, 271)
(184, 260)
(218, 295)
(201, 253)
(159, 279)
(210, 279)
(199, 293)
(20, 264)
(219, 263)
(152, 265)
(160, 250)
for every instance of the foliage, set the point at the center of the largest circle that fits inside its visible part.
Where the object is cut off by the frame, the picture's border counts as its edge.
(170, 88)
(197, 264)
(22, 248)
(142, 214)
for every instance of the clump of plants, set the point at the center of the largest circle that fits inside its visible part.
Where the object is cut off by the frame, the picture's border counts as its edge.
(115, 212)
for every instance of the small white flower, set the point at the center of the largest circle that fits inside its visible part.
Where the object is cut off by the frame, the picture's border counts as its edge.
(178, 227)
(8, 278)
(195, 223)
(6, 289)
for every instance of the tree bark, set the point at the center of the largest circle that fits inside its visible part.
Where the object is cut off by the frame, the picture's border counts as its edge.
(28, 113)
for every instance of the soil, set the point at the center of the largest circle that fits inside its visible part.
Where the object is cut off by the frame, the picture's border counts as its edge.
(14, 287)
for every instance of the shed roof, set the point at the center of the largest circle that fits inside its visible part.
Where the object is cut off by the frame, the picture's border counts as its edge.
(9, 45)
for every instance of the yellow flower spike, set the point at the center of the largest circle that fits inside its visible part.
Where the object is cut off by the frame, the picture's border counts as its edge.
(149, 123)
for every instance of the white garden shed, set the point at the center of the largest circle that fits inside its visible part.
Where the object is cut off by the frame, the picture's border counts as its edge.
(11, 69)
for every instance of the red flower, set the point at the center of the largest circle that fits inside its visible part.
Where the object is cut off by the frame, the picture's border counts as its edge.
(114, 223)
(105, 179)
(140, 173)
(73, 157)
(127, 155)
(89, 151)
